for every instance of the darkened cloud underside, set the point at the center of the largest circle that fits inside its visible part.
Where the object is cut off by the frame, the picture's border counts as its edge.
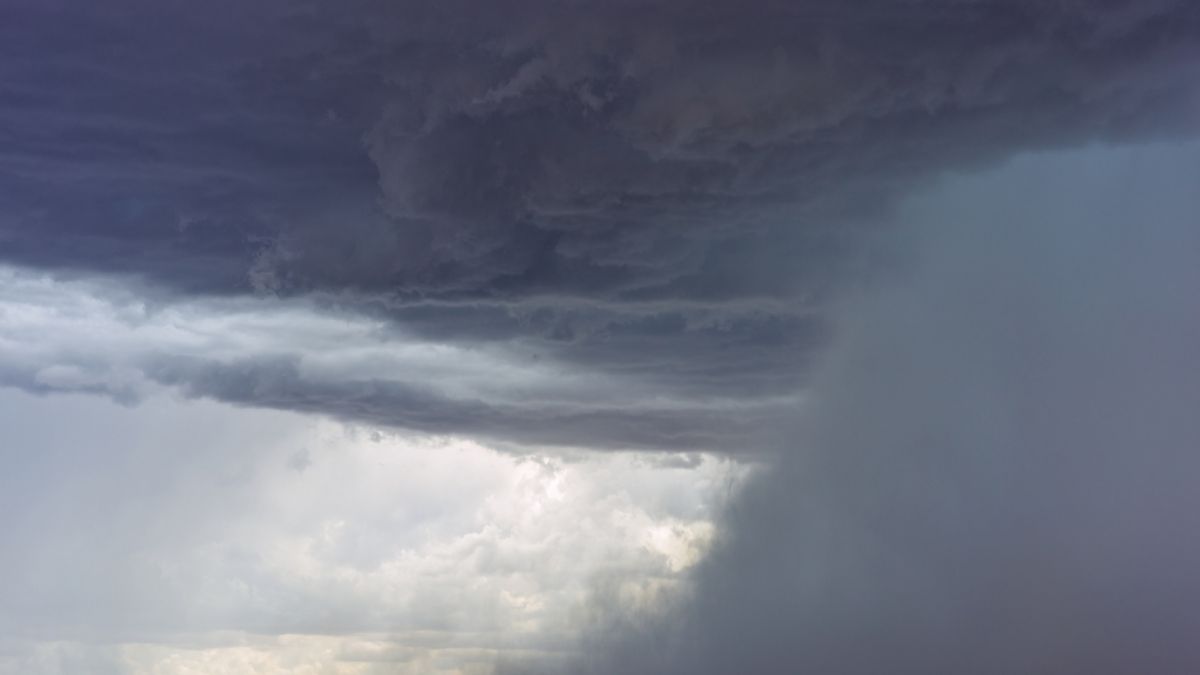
(658, 187)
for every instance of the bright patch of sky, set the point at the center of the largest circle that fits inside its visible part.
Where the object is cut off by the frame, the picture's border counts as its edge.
(194, 537)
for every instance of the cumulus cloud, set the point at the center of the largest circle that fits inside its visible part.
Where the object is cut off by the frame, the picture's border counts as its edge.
(178, 537)
(995, 472)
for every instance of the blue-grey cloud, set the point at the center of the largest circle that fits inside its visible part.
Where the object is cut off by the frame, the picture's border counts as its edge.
(636, 223)
(88, 337)
(629, 185)
(995, 472)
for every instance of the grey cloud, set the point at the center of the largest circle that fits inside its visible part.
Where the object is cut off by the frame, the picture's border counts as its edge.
(611, 148)
(638, 223)
(745, 349)
(61, 336)
(538, 174)
(278, 383)
(179, 536)
(598, 148)
(131, 143)
(995, 470)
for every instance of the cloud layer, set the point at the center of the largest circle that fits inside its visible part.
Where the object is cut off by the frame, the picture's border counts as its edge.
(103, 338)
(676, 225)
(661, 187)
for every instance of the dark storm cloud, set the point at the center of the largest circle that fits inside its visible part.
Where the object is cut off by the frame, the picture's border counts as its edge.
(696, 349)
(659, 187)
(635, 149)
(622, 223)
(996, 470)
(279, 383)
(131, 143)
(625, 149)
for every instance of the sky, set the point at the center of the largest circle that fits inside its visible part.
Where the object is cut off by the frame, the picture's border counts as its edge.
(597, 336)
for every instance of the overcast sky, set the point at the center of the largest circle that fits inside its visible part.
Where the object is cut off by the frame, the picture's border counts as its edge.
(597, 336)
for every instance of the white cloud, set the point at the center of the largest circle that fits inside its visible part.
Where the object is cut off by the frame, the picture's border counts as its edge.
(80, 334)
(181, 536)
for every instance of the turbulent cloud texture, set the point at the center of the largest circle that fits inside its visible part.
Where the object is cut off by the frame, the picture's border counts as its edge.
(622, 149)
(86, 337)
(665, 187)
(183, 537)
(670, 225)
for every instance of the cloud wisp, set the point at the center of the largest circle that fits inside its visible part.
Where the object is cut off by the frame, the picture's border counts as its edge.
(101, 338)
(181, 536)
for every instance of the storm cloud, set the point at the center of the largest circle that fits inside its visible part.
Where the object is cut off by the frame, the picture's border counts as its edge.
(995, 470)
(664, 187)
(928, 265)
